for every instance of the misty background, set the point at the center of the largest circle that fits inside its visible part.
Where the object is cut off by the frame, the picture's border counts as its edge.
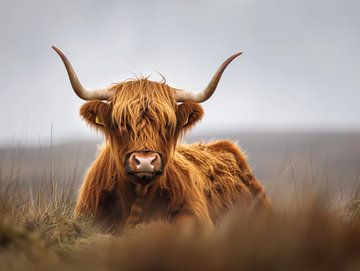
(291, 100)
(299, 71)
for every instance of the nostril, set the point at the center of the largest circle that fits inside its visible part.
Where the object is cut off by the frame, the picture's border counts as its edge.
(134, 160)
(137, 161)
(154, 160)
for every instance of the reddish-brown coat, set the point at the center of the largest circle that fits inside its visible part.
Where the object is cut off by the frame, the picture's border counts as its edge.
(200, 181)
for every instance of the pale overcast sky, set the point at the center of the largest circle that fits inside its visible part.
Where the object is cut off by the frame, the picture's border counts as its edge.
(299, 71)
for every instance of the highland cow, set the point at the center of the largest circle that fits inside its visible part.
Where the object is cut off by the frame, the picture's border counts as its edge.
(143, 173)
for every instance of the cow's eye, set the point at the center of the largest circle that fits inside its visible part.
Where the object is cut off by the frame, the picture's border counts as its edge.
(128, 127)
(124, 127)
(167, 125)
(115, 125)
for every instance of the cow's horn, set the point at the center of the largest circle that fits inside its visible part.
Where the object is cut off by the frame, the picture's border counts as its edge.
(80, 90)
(203, 95)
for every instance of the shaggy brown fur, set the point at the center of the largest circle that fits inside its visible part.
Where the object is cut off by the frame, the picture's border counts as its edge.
(200, 181)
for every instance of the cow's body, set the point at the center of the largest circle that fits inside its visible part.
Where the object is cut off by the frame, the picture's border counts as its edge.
(143, 173)
(203, 180)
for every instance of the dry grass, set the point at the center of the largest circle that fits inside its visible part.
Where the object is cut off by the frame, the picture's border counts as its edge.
(312, 231)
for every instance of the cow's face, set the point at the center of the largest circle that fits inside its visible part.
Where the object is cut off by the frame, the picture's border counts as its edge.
(141, 119)
(142, 122)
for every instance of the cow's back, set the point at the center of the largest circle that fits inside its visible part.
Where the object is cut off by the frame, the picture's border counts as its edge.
(227, 179)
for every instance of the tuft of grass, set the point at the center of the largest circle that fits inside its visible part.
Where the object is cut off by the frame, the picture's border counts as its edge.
(39, 215)
(308, 240)
(313, 232)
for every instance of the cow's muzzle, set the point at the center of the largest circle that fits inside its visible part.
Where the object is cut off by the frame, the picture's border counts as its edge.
(144, 165)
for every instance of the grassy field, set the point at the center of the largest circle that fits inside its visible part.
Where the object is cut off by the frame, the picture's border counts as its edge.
(314, 225)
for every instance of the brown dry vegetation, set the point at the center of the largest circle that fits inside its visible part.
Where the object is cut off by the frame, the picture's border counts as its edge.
(309, 229)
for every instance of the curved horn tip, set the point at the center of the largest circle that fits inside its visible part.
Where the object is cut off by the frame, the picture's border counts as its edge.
(79, 89)
(60, 53)
(205, 94)
(56, 49)
(236, 55)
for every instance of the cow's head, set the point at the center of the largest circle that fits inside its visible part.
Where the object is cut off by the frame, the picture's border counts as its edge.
(141, 119)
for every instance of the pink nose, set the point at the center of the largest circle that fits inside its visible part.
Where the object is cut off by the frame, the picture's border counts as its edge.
(145, 162)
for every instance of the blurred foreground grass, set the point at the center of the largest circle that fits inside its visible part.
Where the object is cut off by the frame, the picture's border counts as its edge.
(307, 231)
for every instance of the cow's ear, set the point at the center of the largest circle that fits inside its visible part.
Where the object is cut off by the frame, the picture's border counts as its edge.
(188, 114)
(97, 114)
